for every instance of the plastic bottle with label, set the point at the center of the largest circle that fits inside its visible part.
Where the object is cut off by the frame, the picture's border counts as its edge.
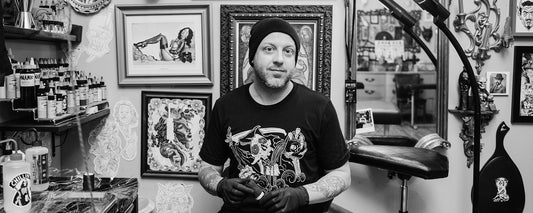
(38, 158)
(17, 185)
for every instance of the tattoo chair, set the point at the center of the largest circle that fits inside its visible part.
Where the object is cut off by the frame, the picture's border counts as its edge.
(402, 156)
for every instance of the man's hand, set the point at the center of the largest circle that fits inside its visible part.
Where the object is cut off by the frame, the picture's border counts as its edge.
(233, 190)
(285, 199)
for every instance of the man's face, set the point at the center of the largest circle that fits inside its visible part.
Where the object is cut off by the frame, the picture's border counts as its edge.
(526, 15)
(274, 60)
(498, 81)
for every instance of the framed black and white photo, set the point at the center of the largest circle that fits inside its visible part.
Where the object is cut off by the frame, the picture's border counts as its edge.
(163, 44)
(311, 22)
(522, 17)
(522, 104)
(498, 83)
(172, 133)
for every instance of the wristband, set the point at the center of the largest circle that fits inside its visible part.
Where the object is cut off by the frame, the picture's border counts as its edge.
(260, 196)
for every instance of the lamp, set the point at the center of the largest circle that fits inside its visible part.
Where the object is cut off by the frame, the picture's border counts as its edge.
(440, 14)
(408, 23)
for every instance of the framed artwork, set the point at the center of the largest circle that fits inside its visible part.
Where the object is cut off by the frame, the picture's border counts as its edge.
(313, 24)
(522, 17)
(172, 133)
(522, 105)
(498, 83)
(163, 44)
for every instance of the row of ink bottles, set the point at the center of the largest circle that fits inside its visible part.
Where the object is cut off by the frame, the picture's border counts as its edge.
(51, 88)
(67, 96)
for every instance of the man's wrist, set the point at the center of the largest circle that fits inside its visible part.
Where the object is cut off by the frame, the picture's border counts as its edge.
(219, 187)
(303, 194)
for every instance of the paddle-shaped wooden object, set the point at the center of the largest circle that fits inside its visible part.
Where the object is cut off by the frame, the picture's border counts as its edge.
(501, 189)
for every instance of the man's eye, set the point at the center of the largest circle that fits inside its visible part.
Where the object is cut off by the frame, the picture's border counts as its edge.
(289, 51)
(268, 49)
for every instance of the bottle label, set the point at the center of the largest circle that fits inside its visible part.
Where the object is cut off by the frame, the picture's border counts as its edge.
(27, 80)
(40, 169)
(21, 185)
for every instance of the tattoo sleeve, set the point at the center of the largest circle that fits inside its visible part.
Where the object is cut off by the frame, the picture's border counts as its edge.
(209, 176)
(329, 186)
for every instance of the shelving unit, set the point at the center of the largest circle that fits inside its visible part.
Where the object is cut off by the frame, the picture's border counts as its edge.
(12, 32)
(59, 125)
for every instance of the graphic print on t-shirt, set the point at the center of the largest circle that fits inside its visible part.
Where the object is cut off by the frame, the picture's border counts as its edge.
(269, 156)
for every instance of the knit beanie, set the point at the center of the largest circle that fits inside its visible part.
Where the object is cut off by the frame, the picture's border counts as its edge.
(266, 26)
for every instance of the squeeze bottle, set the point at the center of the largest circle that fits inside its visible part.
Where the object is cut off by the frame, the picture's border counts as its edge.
(17, 185)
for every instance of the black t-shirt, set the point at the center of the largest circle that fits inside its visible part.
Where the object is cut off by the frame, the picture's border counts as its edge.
(290, 143)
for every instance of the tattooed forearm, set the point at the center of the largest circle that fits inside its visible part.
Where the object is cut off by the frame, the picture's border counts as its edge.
(209, 178)
(329, 186)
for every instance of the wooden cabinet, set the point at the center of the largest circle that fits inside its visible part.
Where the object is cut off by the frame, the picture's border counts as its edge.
(381, 86)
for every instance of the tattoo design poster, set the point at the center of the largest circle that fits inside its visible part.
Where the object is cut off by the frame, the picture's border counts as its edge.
(174, 198)
(126, 116)
(105, 146)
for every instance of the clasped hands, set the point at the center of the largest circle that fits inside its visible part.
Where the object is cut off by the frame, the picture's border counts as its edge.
(237, 191)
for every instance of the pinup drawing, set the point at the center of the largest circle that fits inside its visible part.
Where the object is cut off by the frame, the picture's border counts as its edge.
(179, 49)
(304, 65)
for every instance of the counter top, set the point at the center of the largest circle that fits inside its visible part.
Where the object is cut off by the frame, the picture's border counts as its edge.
(65, 194)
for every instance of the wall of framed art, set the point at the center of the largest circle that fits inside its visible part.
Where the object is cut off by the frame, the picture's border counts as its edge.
(115, 144)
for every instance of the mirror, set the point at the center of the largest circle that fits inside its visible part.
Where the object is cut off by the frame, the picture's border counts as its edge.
(88, 6)
(398, 81)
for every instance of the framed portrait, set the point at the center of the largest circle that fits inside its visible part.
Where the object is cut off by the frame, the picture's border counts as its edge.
(521, 12)
(522, 104)
(313, 24)
(163, 44)
(498, 83)
(172, 133)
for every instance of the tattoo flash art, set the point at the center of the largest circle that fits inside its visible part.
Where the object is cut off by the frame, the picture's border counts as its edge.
(175, 134)
(269, 156)
(174, 198)
(126, 116)
(105, 146)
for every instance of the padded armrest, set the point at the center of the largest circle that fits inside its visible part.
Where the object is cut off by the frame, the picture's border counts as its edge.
(419, 162)
(392, 140)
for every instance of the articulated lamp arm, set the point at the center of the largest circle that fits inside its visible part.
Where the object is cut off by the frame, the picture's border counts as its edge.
(440, 14)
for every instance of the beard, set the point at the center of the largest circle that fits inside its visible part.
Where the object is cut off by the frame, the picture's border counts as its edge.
(271, 81)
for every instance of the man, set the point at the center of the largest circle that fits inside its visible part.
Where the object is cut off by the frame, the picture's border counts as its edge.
(286, 149)
(498, 87)
(525, 12)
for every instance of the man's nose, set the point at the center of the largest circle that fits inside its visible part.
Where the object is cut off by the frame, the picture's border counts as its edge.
(278, 57)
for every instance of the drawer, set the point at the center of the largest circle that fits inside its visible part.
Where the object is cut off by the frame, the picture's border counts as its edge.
(371, 93)
(371, 79)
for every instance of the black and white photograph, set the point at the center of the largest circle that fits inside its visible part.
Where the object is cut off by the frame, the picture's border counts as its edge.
(365, 121)
(498, 83)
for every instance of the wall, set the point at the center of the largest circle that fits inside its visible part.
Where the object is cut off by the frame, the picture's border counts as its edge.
(106, 66)
(371, 191)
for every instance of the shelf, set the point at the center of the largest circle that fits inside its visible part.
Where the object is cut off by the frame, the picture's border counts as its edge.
(23, 124)
(12, 32)
(471, 112)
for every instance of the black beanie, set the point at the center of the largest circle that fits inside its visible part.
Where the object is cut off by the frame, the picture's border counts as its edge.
(266, 26)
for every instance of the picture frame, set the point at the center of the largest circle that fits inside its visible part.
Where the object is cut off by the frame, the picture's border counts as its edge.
(163, 44)
(522, 103)
(518, 26)
(498, 83)
(173, 153)
(312, 22)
